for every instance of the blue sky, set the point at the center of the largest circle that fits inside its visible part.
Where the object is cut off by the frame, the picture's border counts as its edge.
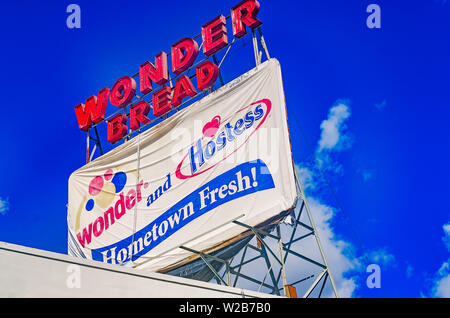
(373, 105)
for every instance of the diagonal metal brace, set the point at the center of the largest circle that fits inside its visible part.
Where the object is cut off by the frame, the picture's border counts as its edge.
(203, 257)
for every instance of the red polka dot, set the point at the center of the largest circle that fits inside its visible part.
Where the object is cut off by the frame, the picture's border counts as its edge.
(108, 174)
(96, 186)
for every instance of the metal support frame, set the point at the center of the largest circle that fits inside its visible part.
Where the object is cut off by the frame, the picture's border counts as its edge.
(262, 42)
(268, 239)
(204, 257)
(97, 144)
(322, 253)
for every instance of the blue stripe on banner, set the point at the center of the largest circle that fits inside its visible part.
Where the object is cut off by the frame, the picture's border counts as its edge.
(247, 178)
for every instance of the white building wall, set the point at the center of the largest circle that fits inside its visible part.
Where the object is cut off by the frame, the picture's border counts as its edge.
(28, 272)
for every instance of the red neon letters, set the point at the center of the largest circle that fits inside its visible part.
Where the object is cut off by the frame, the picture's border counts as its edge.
(161, 101)
(157, 73)
(138, 115)
(117, 128)
(123, 91)
(183, 88)
(242, 14)
(183, 55)
(207, 73)
(94, 111)
(214, 35)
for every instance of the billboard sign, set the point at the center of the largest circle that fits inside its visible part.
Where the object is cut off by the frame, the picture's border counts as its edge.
(184, 181)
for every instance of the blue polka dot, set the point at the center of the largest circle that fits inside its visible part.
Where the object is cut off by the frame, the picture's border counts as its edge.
(119, 180)
(89, 205)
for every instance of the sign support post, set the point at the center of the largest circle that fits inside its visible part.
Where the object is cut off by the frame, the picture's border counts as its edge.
(324, 259)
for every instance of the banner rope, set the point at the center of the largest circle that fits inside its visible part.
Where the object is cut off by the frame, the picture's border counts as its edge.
(137, 182)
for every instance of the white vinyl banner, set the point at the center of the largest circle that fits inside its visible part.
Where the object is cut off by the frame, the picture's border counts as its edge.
(183, 182)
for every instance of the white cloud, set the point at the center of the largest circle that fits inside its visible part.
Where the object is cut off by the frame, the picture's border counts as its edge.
(443, 2)
(306, 177)
(446, 237)
(367, 175)
(4, 205)
(381, 105)
(409, 271)
(442, 283)
(345, 265)
(333, 137)
(441, 286)
(339, 253)
(332, 128)
(381, 257)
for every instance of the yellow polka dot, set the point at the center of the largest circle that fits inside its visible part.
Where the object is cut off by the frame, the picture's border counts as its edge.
(106, 196)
